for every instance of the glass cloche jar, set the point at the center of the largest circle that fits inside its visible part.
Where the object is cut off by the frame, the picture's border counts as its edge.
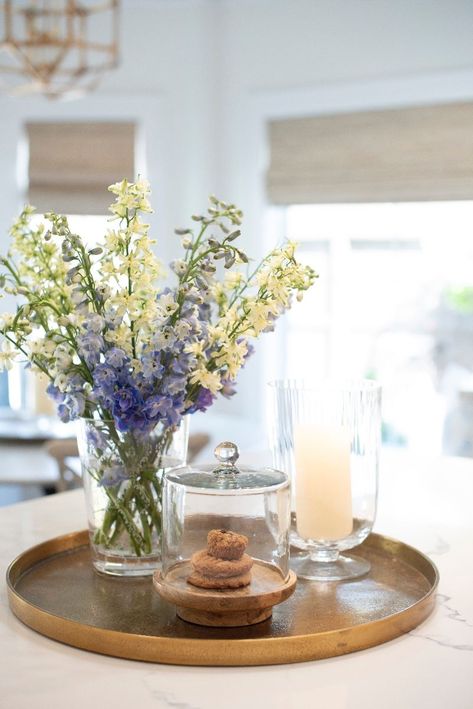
(225, 541)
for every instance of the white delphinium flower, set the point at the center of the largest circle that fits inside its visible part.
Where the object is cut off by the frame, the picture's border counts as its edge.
(165, 338)
(179, 267)
(60, 381)
(6, 321)
(63, 357)
(216, 333)
(258, 315)
(232, 357)
(233, 279)
(48, 347)
(34, 346)
(206, 379)
(167, 305)
(96, 323)
(114, 240)
(7, 356)
(196, 348)
(182, 329)
(120, 337)
(230, 319)
(130, 196)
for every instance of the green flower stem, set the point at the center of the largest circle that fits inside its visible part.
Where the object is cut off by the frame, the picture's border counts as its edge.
(117, 510)
(140, 494)
(104, 535)
(112, 514)
(146, 528)
(135, 534)
(153, 505)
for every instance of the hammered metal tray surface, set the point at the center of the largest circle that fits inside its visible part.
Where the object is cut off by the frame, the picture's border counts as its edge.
(53, 589)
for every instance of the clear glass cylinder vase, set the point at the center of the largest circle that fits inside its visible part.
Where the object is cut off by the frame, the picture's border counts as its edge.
(326, 437)
(122, 475)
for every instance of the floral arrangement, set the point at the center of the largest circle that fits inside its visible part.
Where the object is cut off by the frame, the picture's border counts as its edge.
(119, 347)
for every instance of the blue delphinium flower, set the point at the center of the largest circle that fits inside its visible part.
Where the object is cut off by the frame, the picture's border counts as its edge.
(126, 406)
(96, 438)
(116, 357)
(72, 407)
(203, 401)
(249, 348)
(125, 399)
(105, 376)
(94, 323)
(151, 365)
(90, 346)
(113, 474)
(156, 406)
(56, 394)
(228, 388)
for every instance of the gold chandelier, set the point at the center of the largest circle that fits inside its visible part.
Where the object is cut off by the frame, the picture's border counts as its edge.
(57, 47)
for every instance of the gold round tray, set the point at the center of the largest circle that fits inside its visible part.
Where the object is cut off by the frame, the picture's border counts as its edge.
(53, 589)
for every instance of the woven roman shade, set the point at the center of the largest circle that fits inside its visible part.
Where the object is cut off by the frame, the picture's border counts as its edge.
(72, 164)
(402, 155)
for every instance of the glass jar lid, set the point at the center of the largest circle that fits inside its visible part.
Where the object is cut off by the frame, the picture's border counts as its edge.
(226, 477)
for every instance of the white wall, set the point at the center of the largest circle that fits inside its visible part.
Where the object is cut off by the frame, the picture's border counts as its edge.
(205, 75)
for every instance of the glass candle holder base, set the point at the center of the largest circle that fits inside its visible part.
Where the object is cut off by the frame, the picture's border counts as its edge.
(331, 567)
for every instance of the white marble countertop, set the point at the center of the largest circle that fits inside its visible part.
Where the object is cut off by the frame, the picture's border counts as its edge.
(427, 503)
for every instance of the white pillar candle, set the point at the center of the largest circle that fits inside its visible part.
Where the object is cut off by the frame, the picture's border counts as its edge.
(323, 485)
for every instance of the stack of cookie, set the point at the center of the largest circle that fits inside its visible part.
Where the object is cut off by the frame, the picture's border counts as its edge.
(224, 563)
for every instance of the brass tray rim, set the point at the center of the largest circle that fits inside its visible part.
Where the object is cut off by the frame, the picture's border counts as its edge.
(74, 540)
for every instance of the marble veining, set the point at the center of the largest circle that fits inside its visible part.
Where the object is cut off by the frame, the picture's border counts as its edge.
(167, 699)
(444, 643)
(440, 547)
(453, 614)
(449, 638)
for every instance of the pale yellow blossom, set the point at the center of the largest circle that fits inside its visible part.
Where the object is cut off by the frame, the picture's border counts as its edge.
(209, 380)
(7, 356)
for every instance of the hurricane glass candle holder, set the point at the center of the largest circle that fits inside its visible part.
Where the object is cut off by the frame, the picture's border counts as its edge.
(327, 438)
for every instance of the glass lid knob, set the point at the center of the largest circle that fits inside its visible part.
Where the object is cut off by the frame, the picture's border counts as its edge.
(227, 452)
(226, 471)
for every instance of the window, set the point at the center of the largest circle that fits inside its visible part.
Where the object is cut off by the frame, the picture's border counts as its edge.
(70, 165)
(395, 302)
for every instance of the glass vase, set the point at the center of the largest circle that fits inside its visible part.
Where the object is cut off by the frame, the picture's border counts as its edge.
(122, 475)
(327, 438)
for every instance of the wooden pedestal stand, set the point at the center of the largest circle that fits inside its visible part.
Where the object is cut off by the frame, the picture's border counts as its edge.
(230, 607)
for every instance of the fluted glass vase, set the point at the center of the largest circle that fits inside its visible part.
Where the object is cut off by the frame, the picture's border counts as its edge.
(122, 474)
(326, 436)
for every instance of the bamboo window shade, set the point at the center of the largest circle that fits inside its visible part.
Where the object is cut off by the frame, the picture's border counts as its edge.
(72, 164)
(401, 155)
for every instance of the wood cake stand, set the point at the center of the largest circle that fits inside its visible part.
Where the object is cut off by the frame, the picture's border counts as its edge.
(230, 607)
